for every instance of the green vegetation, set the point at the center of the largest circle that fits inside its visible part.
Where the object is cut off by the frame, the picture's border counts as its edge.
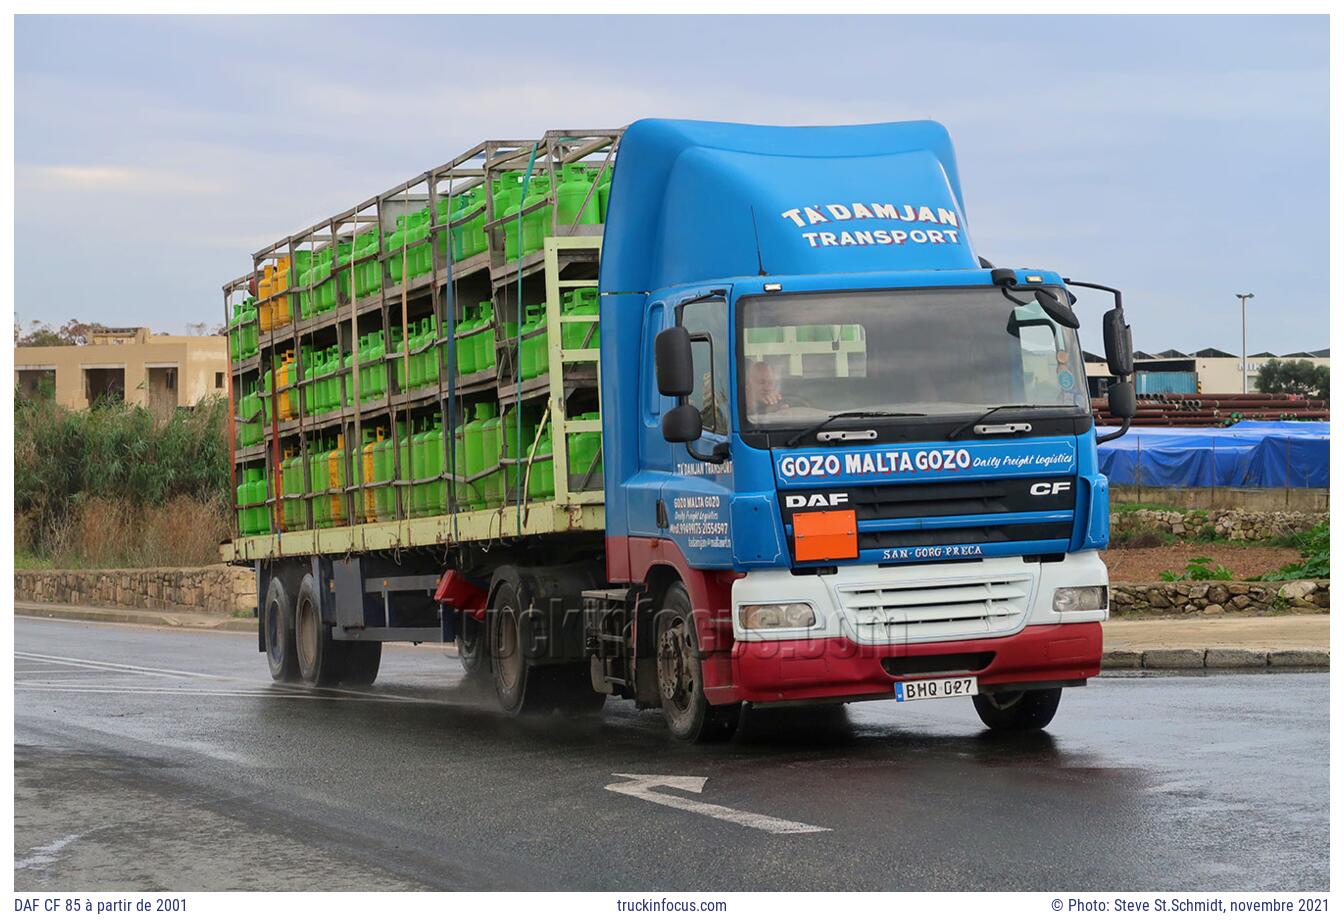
(1315, 548)
(1200, 568)
(110, 486)
(1301, 378)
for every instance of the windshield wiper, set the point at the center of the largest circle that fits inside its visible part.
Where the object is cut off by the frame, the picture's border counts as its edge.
(976, 421)
(853, 413)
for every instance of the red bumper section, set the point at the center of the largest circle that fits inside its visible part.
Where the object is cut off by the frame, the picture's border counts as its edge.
(836, 668)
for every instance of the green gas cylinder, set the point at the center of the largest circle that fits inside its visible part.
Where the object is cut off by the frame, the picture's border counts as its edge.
(345, 386)
(541, 480)
(376, 365)
(458, 210)
(534, 359)
(248, 336)
(317, 480)
(463, 492)
(429, 358)
(476, 240)
(484, 340)
(396, 353)
(435, 498)
(575, 184)
(585, 448)
(536, 224)
(462, 343)
(581, 302)
(492, 486)
(409, 470)
(475, 451)
(393, 246)
(508, 197)
(516, 441)
(244, 490)
(603, 193)
(385, 501)
(417, 491)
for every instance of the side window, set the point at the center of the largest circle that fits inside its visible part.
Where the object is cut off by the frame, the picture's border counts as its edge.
(707, 322)
(652, 401)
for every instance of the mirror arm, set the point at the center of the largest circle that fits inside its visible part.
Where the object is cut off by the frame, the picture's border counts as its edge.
(715, 456)
(1119, 432)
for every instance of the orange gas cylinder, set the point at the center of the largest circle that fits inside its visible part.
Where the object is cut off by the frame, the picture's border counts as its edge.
(284, 378)
(370, 507)
(336, 473)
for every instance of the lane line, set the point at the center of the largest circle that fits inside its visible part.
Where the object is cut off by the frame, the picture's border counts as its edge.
(118, 667)
(638, 785)
(192, 691)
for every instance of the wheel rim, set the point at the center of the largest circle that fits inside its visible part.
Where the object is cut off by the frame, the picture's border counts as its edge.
(676, 676)
(509, 667)
(1004, 701)
(305, 634)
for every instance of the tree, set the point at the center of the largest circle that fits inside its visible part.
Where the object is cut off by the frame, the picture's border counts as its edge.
(72, 332)
(1301, 378)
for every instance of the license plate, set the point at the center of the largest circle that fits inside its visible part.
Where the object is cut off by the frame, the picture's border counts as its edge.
(907, 691)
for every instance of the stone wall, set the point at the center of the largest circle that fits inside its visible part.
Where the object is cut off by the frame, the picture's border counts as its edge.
(1214, 597)
(1233, 525)
(1225, 497)
(215, 588)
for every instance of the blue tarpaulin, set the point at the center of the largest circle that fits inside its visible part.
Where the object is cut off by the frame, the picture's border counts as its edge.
(1248, 454)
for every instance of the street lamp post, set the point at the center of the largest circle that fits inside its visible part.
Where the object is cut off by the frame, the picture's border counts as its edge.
(1244, 384)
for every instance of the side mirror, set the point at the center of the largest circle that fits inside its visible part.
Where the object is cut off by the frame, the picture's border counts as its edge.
(682, 424)
(1120, 399)
(1056, 309)
(673, 364)
(1119, 344)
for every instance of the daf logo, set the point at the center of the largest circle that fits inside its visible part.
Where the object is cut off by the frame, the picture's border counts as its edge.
(819, 500)
(1049, 488)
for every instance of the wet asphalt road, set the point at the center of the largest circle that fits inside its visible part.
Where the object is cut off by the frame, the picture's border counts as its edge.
(165, 759)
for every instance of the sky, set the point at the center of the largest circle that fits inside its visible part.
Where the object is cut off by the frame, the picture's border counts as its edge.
(1182, 159)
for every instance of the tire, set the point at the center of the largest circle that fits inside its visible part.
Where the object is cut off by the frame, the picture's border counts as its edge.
(1027, 710)
(516, 680)
(281, 655)
(361, 663)
(688, 714)
(321, 658)
(573, 690)
(473, 646)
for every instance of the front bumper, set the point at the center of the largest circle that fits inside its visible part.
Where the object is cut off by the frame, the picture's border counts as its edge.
(838, 668)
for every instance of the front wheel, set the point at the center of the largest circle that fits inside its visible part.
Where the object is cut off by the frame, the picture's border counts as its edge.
(688, 713)
(1025, 710)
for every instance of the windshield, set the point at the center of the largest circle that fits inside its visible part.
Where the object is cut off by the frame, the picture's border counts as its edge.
(952, 351)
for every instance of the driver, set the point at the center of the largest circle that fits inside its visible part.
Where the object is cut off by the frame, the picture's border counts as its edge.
(763, 394)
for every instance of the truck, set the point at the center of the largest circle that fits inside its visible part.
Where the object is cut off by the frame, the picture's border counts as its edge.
(703, 416)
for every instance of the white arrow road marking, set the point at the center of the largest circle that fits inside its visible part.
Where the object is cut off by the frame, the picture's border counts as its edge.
(639, 785)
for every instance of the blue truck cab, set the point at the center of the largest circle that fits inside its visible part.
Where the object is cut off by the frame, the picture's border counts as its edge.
(845, 457)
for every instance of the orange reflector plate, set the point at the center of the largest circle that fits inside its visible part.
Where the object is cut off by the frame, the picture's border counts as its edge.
(825, 535)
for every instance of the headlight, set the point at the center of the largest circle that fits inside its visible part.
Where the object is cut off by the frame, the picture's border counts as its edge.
(776, 616)
(1090, 598)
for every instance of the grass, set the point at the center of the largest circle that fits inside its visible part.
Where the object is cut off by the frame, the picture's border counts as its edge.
(111, 487)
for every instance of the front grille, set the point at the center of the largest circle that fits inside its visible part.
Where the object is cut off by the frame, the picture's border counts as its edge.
(960, 607)
(937, 499)
(912, 665)
(939, 536)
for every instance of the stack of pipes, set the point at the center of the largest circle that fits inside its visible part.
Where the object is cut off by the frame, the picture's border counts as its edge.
(1216, 410)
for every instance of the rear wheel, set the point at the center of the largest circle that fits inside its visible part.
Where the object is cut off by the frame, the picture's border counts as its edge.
(321, 658)
(362, 659)
(688, 713)
(472, 645)
(1025, 710)
(279, 633)
(512, 671)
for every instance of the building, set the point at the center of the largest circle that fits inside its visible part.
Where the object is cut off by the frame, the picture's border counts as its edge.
(1208, 370)
(133, 365)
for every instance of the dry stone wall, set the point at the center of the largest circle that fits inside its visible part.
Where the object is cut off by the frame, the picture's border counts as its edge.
(1235, 524)
(1213, 597)
(216, 588)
